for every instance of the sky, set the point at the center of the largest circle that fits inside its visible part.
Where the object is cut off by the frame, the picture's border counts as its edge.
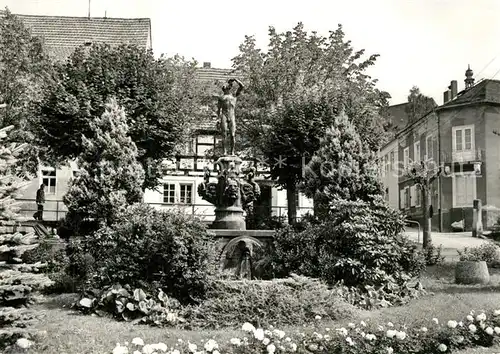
(426, 43)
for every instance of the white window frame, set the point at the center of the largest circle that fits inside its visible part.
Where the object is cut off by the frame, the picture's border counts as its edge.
(186, 184)
(416, 152)
(406, 156)
(462, 128)
(471, 175)
(169, 183)
(49, 178)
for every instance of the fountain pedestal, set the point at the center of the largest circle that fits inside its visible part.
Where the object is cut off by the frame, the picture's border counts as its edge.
(230, 195)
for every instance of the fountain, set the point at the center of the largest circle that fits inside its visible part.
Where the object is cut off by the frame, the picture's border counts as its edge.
(235, 190)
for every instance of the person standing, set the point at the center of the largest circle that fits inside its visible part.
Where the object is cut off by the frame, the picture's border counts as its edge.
(40, 200)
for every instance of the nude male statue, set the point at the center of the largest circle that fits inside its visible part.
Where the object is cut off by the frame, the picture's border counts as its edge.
(225, 110)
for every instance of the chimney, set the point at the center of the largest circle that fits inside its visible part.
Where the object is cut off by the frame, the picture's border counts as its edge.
(454, 89)
(207, 65)
(446, 96)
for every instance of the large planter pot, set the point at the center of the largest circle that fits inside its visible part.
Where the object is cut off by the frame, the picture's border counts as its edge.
(470, 272)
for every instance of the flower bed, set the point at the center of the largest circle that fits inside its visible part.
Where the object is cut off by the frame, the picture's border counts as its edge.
(364, 337)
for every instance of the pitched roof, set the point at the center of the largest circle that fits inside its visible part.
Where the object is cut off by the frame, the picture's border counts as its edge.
(485, 91)
(213, 74)
(62, 35)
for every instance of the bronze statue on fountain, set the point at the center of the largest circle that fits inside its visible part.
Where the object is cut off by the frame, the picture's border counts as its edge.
(230, 194)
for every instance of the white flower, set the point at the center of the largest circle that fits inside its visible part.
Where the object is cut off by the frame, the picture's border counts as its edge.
(481, 317)
(390, 350)
(215, 352)
(259, 334)
(266, 341)
(461, 324)
(349, 341)
(452, 324)
(389, 324)
(136, 352)
(161, 346)
(176, 351)
(497, 330)
(24, 343)
(370, 337)
(470, 318)
(472, 328)
(279, 334)
(391, 333)
(192, 347)
(442, 347)
(496, 313)
(489, 330)
(317, 317)
(148, 349)
(117, 350)
(294, 347)
(460, 339)
(380, 328)
(288, 339)
(342, 331)
(351, 325)
(327, 337)
(423, 329)
(210, 345)
(138, 341)
(400, 335)
(435, 320)
(247, 327)
(318, 335)
(271, 348)
(235, 341)
(363, 323)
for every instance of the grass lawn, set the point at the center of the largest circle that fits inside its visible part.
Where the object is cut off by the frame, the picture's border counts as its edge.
(71, 333)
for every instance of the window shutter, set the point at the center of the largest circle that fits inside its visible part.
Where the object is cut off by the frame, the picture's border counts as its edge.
(402, 199)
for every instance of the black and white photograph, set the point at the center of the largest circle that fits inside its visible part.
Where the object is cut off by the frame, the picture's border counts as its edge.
(263, 177)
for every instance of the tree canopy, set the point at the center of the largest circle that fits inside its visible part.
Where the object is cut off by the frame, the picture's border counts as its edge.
(342, 168)
(293, 92)
(158, 95)
(110, 178)
(23, 70)
(418, 105)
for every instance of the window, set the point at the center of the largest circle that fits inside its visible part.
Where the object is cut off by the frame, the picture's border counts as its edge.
(186, 193)
(406, 157)
(407, 197)
(429, 148)
(386, 163)
(391, 165)
(169, 193)
(49, 179)
(463, 138)
(464, 189)
(416, 152)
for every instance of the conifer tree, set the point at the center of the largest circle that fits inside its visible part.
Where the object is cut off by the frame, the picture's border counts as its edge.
(110, 178)
(342, 168)
(18, 281)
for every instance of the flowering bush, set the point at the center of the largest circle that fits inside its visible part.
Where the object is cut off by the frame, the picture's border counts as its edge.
(360, 338)
(488, 252)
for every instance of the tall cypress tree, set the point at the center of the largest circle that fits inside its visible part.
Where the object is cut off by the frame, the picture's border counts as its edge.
(342, 168)
(110, 177)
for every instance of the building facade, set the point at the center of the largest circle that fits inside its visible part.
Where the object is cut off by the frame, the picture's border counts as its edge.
(460, 137)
